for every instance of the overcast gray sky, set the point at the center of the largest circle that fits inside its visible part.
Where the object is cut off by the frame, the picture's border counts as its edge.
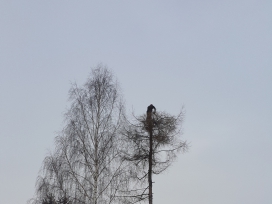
(213, 57)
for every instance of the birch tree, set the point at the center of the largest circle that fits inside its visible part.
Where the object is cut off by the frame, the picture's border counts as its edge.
(86, 166)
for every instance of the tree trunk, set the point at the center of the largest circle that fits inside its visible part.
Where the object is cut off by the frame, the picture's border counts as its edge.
(150, 164)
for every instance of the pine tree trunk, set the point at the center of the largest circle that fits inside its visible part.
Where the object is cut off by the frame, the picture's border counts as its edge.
(150, 165)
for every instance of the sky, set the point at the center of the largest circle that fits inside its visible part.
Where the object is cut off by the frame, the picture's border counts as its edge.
(214, 58)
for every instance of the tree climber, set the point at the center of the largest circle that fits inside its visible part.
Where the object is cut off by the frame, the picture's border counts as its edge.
(149, 116)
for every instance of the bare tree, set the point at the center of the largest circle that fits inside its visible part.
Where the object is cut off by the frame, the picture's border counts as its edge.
(153, 146)
(53, 186)
(86, 166)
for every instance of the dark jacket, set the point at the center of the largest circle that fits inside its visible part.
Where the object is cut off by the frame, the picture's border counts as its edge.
(150, 108)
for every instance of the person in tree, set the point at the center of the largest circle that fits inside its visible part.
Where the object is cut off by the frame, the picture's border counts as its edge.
(150, 108)
(149, 112)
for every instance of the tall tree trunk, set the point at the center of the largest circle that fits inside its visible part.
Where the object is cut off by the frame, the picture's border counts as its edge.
(96, 156)
(96, 174)
(150, 164)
